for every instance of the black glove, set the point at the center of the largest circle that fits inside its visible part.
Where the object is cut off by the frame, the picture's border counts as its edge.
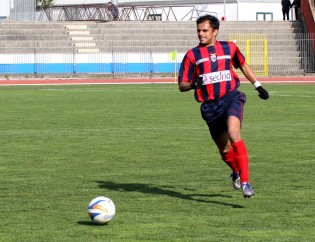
(197, 83)
(263, 94)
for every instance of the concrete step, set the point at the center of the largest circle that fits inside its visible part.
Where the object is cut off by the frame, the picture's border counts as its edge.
(33, 37)
(88, 50)
(44, 25)
(84, 45)
(38, 50)
(78, 32)
(84, 38)
(279, 49)
(30, 32)
(192, 24)
(155, 24)
(284, 60)
(143, 49)
(32, 44)
(24, 25)
(76, 27)
(149, 37)
(285, 70)
(148, 31)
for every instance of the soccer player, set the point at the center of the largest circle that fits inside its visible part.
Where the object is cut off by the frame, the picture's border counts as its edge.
(207, 68)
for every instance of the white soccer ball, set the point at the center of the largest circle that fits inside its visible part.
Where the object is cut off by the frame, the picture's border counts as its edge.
(101, 210)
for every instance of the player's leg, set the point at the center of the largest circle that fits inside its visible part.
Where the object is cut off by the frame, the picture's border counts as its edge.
(234, 122)
(227, 153)
(240, 155)
(238, 145)
(218, 131)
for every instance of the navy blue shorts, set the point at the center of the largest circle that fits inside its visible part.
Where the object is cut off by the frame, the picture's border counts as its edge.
(215, 112)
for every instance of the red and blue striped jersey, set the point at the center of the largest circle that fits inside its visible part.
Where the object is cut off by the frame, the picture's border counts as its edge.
(214, 64)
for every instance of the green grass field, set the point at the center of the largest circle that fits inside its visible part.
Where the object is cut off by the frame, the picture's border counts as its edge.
(147, 148)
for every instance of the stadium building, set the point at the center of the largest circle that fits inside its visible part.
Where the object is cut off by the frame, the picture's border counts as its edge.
(18, 10)
(230, 10)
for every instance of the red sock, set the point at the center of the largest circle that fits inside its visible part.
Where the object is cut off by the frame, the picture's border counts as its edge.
(228, 158)
(241, 159)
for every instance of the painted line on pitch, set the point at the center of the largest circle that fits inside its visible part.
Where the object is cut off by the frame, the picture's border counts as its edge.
(279, 80)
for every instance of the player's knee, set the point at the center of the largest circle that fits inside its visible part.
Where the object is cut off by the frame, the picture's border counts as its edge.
(235, 136)
(224, 149)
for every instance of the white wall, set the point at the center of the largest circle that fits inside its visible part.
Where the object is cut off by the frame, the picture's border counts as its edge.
(188, 13)
(5, 8)
(243, 10)
(247, 11)
(70, 2)
(228, 11)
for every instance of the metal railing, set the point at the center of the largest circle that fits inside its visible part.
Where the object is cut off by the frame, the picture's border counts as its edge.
(100, 12)
(62, 55)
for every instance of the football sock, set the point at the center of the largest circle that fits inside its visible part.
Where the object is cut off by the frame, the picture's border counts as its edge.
(228, 158)
(241, 159)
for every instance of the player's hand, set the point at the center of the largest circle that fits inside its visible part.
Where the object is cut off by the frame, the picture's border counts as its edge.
(197, 83)
(263, 94)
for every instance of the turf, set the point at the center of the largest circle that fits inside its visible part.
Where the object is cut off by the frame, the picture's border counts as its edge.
(147, 148)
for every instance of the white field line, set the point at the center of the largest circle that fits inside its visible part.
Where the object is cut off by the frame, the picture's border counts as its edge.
(67, 82)
(83, 83)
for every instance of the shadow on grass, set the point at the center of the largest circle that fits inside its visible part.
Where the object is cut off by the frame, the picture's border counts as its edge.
(144, 188)
(91, 223)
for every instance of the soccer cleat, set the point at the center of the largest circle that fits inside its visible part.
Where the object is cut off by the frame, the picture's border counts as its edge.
(236, 181)
(248, 191)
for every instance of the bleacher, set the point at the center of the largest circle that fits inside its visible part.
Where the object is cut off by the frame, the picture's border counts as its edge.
(284, 53)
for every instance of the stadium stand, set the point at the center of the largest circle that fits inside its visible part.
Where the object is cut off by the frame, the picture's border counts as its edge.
(284, 54)
(274, 47)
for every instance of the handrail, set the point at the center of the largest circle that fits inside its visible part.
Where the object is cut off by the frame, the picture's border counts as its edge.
(308, 12)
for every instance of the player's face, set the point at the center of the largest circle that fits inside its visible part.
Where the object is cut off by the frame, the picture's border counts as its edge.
(206, 34)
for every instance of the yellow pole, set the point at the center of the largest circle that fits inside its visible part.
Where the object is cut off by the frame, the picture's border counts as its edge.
(266, 57)
(173, 57)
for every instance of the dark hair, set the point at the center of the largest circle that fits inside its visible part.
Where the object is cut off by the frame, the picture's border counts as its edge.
(213, 20)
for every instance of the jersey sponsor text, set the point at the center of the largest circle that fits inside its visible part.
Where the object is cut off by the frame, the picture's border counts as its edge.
(214, 77)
